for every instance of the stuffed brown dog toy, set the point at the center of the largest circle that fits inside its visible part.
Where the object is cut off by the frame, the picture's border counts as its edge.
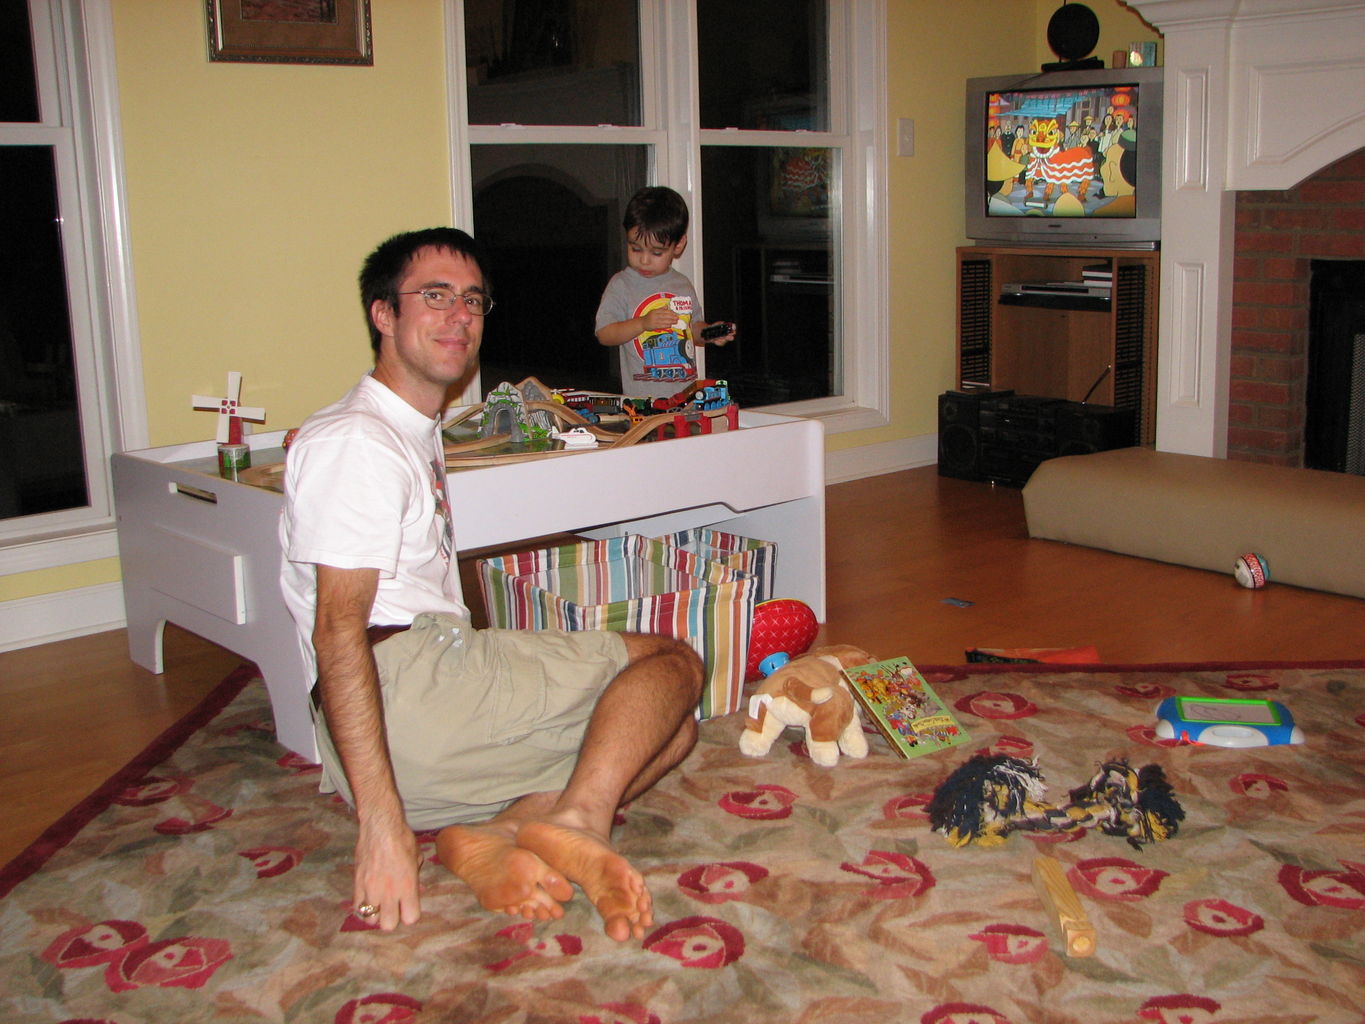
(809, 692)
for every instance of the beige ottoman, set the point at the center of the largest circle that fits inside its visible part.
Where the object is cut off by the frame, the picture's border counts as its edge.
(1308, 524)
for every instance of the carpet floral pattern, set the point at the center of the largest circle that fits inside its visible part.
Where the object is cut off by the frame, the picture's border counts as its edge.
(215, 885)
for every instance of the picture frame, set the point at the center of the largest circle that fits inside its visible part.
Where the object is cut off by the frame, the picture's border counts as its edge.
(318, 32)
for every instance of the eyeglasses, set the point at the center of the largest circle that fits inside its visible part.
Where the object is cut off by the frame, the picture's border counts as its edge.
(443, 298)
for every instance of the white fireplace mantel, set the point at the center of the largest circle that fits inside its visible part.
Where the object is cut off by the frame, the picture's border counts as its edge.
(1259, 94)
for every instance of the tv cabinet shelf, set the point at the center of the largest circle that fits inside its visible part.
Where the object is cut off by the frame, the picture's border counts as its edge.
(1088, 303)
(1073, 347)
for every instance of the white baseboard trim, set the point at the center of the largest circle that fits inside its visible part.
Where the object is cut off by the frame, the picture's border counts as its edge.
(876, 459)
(30, 621)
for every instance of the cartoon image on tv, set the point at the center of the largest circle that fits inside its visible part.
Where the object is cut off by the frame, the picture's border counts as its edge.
(666, 354)
(1062, 153)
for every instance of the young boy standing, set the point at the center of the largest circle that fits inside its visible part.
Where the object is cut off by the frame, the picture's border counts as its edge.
(649, 311)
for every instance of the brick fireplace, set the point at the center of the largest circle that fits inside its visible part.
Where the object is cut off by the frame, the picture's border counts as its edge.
(1264, 106)
(1277, 236)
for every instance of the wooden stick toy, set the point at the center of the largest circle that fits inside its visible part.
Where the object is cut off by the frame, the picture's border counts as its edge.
(1063, 906)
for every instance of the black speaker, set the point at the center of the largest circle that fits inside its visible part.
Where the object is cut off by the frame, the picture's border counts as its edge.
(1084, 429)
(959, 435)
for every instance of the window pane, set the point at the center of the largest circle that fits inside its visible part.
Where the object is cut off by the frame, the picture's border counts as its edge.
(18, 86)
(553, 62)
(770, 223)
(549, 218)
(42, 467)
(763, 64)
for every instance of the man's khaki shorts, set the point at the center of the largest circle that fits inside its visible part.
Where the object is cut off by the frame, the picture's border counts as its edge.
(478, 718)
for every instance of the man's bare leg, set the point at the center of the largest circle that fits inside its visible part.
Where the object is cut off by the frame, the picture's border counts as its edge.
(642, 727)
(504, 877)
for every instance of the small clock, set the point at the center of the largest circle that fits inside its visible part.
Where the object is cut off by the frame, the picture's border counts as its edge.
(1226, 722)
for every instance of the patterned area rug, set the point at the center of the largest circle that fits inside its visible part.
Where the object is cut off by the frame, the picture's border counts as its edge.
(214, 885)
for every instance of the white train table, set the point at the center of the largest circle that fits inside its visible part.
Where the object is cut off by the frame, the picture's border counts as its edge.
(203, 552)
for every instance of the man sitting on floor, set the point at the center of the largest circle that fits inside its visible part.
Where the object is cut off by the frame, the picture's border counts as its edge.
(518, 746)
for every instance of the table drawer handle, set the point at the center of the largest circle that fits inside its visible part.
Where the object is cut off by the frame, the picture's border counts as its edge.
(194, 492)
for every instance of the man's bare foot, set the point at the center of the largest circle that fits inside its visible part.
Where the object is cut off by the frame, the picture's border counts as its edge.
(504, 877)
(615, 888)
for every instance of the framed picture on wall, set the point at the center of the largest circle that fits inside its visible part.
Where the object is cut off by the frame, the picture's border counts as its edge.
(292, 32)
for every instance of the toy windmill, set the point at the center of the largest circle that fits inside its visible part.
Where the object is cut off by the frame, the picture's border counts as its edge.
(231, 412)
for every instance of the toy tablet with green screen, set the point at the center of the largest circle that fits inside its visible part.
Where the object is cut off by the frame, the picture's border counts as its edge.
(1226, 722)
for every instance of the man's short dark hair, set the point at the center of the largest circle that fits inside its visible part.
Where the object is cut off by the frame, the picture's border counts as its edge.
(659, 213)
(383, 271)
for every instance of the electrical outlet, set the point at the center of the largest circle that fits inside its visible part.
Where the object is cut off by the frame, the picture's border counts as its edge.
(905, 136)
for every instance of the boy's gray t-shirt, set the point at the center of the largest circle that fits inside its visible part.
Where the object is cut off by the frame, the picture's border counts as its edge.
(654, 364)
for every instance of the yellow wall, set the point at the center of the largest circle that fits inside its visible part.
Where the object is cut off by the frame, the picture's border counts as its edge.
(253, 191)
(932, 50)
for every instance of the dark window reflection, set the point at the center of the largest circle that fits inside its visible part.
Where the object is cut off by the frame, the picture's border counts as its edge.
(769, 267)
(549, 219)
(18, 86)
(763, 64)
(42, 467)
(553, 62)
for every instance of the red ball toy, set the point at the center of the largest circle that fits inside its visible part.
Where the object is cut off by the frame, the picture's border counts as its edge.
(782, 626)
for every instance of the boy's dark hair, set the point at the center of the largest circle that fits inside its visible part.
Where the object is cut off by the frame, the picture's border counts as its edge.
(659, 213)
(383, 270)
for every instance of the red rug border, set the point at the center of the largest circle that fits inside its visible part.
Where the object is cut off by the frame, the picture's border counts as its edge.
(66, 828)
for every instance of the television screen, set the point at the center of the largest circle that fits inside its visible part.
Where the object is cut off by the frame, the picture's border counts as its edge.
(1066, 157)
(1063, 152)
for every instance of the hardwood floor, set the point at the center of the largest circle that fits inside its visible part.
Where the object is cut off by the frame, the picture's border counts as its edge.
(900, 548)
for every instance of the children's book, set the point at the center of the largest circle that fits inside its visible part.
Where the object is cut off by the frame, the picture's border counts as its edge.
(904, 707)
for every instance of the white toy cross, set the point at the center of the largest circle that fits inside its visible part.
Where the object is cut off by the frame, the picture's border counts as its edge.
(230, 409)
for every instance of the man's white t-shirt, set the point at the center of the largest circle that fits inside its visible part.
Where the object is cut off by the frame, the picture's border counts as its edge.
(365, 488)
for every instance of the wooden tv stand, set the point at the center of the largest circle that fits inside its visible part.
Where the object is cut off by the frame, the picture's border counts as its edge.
(1069, 346)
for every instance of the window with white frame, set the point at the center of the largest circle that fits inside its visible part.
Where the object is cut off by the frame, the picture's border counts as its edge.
(765, 115)
(56, 421)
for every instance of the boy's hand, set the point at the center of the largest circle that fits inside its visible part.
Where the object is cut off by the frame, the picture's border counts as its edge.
(661, 319)
(719, 333)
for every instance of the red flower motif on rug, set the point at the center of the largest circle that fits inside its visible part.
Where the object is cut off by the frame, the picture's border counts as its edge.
(1258, 786)
(1147, 734)
(621, 1013)
(272, 861)
(897, 875)
(94, 944)
(996, 706)
(1146, 691)
(1179, 1009)
(205, 816)
(721, 881)
(381, 1008)
(1221, 918)
(1012, 943)
(1013, 746)
(698, 942)
(1250, 682)
(1115, 878)
(153, 790)
(297, 764)
(963, 1013)
(1342, 889)
(130, 961)
(532, 946)
(764, 803)
(171, 963)
(907, 807)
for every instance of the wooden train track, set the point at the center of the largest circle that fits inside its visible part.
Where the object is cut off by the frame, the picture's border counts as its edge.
(474, 452)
